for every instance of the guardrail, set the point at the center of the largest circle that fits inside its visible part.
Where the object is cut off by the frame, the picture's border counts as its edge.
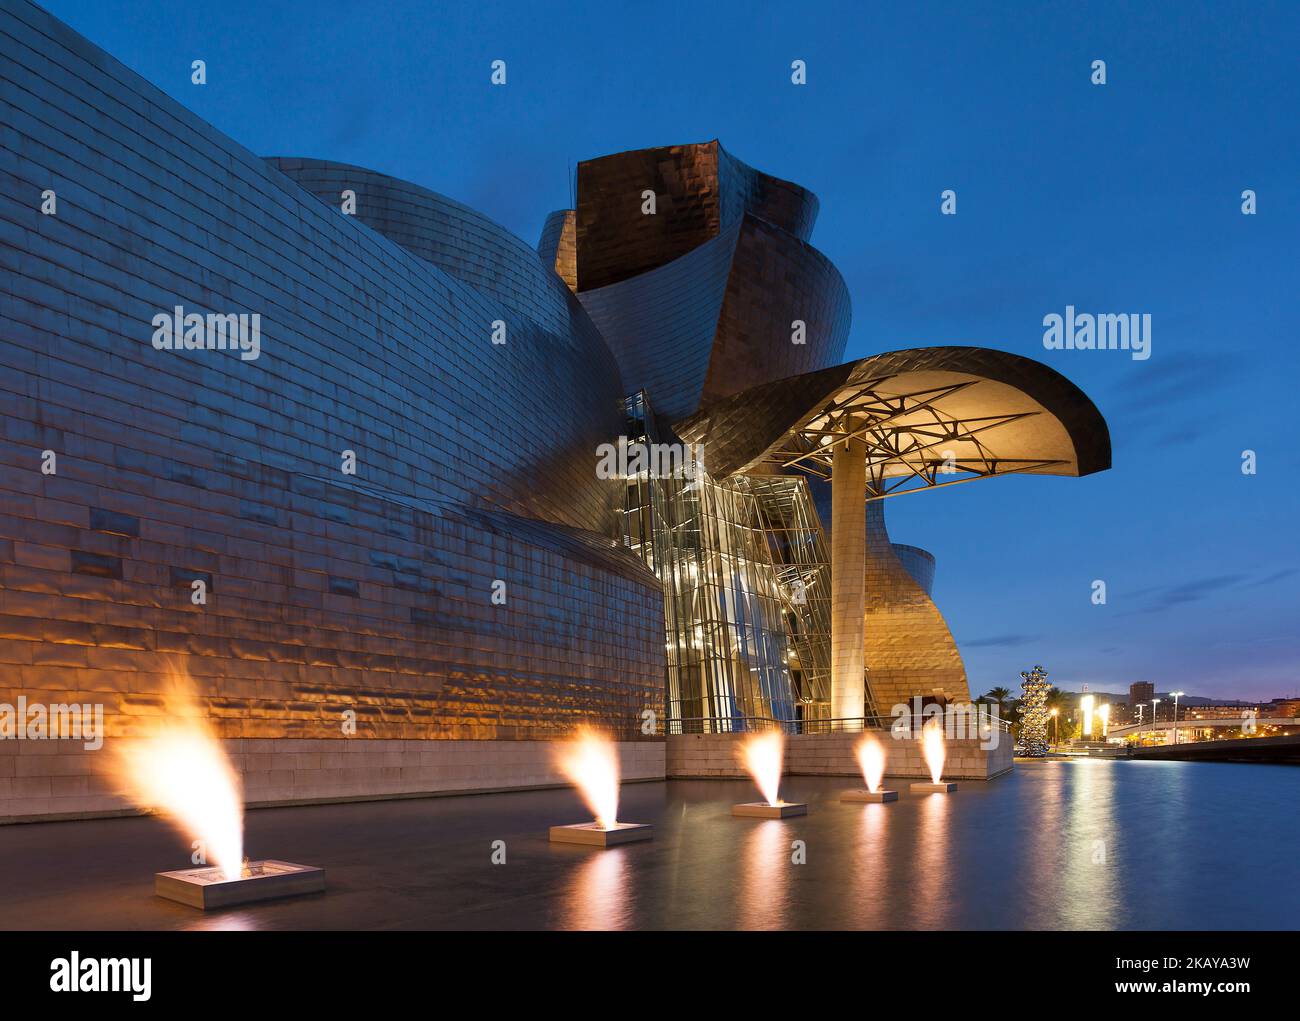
(842, 725)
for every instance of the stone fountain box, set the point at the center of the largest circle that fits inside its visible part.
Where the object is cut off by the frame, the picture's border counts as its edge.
(596, 836)
(207, 887)
(762, 810)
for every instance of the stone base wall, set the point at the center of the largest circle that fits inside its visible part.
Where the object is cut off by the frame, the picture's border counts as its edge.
(706, 755)
(47, 780)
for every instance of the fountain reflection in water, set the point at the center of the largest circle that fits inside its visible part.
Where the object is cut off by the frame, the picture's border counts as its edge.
(932, 900)
(872, 875)
(598, 898)
(765, 877)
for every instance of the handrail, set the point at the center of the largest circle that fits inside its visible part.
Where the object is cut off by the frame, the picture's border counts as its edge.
(849, 724)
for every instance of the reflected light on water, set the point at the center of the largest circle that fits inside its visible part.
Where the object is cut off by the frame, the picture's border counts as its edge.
(871, 870)
(932, 893)
(597, 898)
(765, 877)
(1089, 897)
(232, 922)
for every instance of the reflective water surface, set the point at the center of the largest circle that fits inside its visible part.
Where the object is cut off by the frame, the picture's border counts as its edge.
(1076, 845)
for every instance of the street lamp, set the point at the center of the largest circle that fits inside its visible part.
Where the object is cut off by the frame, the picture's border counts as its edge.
(1176, 694)
(1154, 726)
(1056, 727)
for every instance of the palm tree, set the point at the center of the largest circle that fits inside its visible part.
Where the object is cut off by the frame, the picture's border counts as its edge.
(998, 695)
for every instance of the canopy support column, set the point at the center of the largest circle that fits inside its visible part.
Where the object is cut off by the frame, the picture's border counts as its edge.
(848, 579)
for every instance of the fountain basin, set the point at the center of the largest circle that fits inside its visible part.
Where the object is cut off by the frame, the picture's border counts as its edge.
(763, 810)
(597, 836)
(933, 788)
(869, 796)
(207, 887)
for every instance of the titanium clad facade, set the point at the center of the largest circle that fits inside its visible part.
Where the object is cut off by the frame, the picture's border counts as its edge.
(909, 650)
(463, 243)
(919, 564)
(776, 281)
(558, 246)
(325, 590)
(387, 501)
(699, 191)
(661, 325)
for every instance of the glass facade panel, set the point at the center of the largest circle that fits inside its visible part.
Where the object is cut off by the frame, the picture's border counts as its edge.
(745, 573)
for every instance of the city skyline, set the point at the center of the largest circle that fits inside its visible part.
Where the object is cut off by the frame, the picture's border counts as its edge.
(1093, 196)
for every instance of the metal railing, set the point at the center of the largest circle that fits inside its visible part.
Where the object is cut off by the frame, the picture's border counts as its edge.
(673, 725)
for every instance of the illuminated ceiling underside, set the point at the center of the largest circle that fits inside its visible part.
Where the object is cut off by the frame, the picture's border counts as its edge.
(929, 417)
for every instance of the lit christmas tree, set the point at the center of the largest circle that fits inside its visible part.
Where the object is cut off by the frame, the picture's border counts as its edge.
(1033, 713)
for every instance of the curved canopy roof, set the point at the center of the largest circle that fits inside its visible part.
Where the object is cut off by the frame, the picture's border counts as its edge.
(928, 416)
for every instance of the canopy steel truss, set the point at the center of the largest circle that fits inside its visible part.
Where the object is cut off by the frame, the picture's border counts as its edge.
(906, 436)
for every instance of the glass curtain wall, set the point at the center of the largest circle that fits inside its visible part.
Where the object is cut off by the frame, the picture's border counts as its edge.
(746, 590)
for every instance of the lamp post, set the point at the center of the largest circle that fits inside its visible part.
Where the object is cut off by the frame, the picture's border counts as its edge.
(1155, 727)
(1176, 694)
(1056, 727)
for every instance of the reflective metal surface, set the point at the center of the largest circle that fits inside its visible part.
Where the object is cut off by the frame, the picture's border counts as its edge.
(325, 591)
(699, 189)
(715, 292)
(472, 577)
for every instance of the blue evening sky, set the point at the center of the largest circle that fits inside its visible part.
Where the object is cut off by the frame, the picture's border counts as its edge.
(1115, 198)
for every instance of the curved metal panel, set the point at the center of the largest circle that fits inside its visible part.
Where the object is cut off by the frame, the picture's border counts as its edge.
(919, 564)
(781, 203)
(908, 649)
(558, 246)
(327, 589)
(776, 280)
(662, 325)
(699, 191)
(721, 318)
(457, 239)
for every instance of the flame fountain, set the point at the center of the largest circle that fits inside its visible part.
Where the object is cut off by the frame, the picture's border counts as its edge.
(183, 774)
(761, 755)
(590, 761)
(932, 747)
(871, 759)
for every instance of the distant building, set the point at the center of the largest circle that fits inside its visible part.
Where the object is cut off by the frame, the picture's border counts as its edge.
(1222, 712)
(1141, 691)
(1288, 707)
